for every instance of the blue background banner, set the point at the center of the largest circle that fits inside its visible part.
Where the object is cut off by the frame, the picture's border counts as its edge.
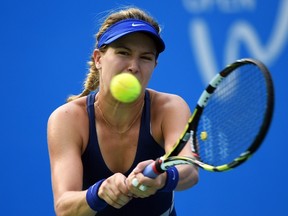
(44, 49)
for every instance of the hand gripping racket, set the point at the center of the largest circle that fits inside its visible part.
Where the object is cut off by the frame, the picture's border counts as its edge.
(229, 123)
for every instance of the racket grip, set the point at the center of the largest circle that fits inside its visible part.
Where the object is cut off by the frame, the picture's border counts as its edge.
(153, 169)
(149, 171)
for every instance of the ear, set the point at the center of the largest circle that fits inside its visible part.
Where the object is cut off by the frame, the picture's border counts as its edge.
(97, 58)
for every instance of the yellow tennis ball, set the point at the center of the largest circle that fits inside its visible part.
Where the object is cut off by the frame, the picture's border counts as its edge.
(203, 135)
(125, 87)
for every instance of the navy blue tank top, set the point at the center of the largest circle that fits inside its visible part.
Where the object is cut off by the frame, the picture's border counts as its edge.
(95, 169)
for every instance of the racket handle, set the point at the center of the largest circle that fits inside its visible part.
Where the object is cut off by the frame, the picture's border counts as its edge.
(153, 169)
(149, 171)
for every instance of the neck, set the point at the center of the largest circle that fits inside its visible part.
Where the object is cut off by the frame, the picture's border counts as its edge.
(119, 117)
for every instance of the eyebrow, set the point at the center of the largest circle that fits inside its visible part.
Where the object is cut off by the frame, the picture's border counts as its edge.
(122, 46)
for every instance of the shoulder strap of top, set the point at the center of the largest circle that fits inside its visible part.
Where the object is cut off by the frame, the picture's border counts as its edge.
(91, 114)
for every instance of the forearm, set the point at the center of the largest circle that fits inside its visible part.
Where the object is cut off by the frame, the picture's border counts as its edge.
(188, 177)
(73, 203)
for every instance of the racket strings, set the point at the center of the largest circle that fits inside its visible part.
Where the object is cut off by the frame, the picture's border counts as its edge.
(233, 116)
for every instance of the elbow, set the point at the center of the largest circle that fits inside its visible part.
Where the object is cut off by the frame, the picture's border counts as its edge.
(195, 177)
(60, 209)
(189, 178)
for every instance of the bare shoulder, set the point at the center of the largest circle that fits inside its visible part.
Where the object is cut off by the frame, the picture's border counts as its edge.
(74, 111)
(164, 100)
(68, 122)
(169, 115)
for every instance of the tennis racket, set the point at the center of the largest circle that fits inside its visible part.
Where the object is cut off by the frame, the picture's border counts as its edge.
(229, 123)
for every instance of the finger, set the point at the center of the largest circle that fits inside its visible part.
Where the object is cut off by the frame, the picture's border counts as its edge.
(141, 166)
(114, 197)
(117, 200)
(135, 182)
(143, 188)
(122, 200)
(139, 189)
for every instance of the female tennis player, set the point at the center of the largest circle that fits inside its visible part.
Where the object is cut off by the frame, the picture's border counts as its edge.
(99, 146)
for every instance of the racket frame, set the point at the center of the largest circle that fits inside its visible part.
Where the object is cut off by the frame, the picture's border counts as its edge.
(189, 135)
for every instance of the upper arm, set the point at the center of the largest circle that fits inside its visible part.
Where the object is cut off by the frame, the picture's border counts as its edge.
(170, 114)
(65, 143)
(175, 117)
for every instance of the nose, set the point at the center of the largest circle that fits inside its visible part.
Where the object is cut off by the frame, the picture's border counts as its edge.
(133, 66)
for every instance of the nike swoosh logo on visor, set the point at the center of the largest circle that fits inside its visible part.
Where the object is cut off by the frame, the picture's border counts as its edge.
(135, 24)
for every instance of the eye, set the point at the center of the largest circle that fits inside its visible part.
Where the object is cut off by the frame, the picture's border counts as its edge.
(122, 52)
(148, 57)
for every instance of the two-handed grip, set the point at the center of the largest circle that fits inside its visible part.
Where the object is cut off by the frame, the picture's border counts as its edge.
(152, 171)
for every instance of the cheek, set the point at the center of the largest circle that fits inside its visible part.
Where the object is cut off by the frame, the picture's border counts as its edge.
(146, 78)
(105, 78)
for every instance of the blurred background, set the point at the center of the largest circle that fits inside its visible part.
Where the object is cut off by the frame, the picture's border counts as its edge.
(44, 49)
